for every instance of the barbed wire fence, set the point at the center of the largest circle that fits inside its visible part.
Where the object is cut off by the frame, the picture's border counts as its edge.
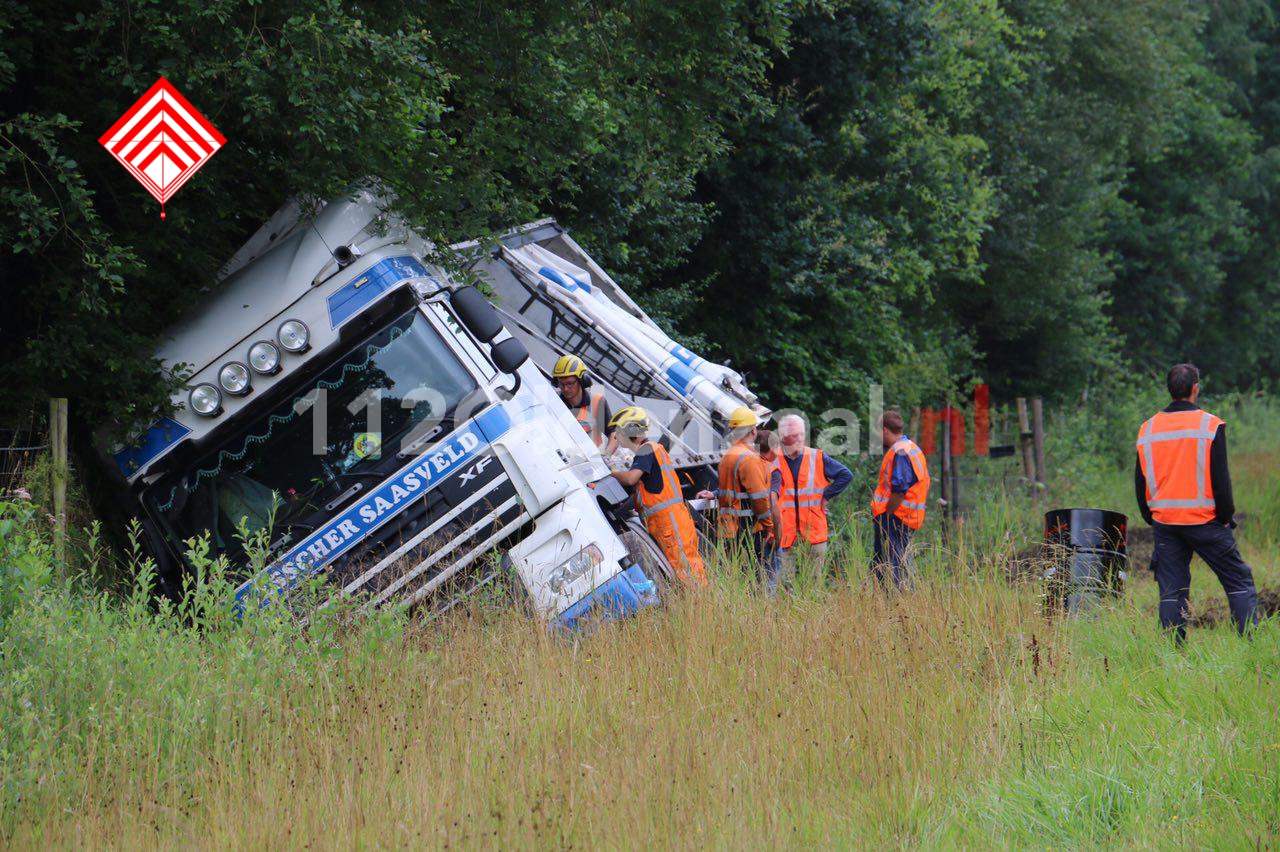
(19, 451)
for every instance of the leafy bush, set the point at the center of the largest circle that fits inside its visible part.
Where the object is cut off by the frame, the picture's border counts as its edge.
(26, 559)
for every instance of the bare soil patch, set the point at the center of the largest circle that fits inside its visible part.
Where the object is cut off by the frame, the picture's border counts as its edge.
(1216, 612)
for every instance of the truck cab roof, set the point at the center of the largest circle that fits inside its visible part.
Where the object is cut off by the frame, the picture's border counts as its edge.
(320, 271)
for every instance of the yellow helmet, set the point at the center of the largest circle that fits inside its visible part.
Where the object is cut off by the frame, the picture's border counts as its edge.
(631, 420)
(569, 366)
(743, 418)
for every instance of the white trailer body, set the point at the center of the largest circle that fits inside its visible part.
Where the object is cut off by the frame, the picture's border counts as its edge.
(557, 300)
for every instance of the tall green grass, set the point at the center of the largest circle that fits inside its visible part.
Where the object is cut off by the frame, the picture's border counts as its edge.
(1142, 743)
(952, 715)
(1139, 741)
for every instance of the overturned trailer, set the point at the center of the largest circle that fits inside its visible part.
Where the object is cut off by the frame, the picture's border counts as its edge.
(385, 428)
(556, 300)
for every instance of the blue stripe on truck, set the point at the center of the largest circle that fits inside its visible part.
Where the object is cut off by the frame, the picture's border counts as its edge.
(685, 355)
(398, 492)
(682, 378)
(568, 282)
(162, 435)
(623, 595)
(347, 301)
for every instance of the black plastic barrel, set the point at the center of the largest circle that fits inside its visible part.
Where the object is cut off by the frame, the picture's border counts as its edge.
(1087, 556)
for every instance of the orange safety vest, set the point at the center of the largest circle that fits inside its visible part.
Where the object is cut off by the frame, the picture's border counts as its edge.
(801, 502)
(735, 503)
(586, 416)
(1173, 450)
(669, 521)
(911, 510)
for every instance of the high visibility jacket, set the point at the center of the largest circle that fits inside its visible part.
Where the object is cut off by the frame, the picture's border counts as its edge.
(744, 491)
(585, 414)
(667, 517)
(801, 500)
(1173, 450)
(911, 510)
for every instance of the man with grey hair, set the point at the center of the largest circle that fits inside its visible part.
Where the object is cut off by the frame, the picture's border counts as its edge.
(805, 480)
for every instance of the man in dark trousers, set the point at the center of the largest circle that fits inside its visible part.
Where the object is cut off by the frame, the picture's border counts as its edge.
(898, 504)
(1183, 488)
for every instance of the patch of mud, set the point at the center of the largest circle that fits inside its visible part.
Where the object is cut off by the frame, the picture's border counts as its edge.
(1028, 565)
(1141, 544)
(1216, 612)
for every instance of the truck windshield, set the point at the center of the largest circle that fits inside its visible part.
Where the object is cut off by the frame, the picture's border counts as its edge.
(288, 471)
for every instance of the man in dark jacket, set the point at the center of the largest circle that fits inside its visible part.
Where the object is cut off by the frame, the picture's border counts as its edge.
(1183, 487)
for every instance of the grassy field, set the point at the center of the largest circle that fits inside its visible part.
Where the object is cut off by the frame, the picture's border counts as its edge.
(955, 715)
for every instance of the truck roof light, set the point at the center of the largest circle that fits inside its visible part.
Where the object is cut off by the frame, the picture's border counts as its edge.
(294, 335)
(264, 357)
(205, 400)
(234, 378)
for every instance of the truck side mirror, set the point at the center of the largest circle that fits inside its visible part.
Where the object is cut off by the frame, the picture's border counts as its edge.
(509, 354)
(476, 313)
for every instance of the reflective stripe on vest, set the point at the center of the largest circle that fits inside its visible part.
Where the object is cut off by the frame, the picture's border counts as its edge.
(909, 504)
(801, 502)
(668, 519)
(1179, 491)
(744, 495)
(650, 504)
(911, 511)
(586, 417)
(731, 497)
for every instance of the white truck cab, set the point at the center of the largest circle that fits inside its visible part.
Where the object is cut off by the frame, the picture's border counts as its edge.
(382, 425)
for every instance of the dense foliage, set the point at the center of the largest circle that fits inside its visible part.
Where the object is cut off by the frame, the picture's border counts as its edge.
(1036, 193)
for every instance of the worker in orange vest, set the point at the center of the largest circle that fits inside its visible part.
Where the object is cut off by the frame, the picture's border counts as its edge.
(746, 508)
(898, 505)
(768, 446)
(1183, 486)
(591, 410)
(658, 496)
(807, 479)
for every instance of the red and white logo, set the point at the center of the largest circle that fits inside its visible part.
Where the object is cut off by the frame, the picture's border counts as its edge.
(162, 140)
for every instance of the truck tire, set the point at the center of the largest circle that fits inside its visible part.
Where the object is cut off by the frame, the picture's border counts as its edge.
(642, 549)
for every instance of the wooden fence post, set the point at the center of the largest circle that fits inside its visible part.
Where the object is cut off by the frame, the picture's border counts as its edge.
(1037, 427)
(1024, 441)
(947, 473)
(957, 490)
(58, 474)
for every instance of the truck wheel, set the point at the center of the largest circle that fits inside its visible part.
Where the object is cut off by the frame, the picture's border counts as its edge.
(642, 549)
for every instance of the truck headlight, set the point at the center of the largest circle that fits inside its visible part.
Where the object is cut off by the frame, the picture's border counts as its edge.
(234, 378)
(586, 559)
(264, 357)
(294, 335)
(205, 399)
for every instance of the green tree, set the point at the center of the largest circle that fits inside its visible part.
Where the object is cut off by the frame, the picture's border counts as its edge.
(478, 117)
(1033, 192)
(1096, 89)
(1236, 334)
(309, 98)
(841, 212)
(1127, 177)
